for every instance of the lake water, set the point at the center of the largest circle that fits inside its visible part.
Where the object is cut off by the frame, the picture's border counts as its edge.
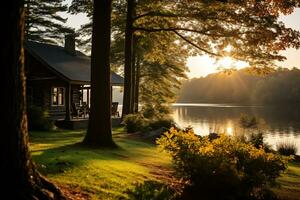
(280, 123)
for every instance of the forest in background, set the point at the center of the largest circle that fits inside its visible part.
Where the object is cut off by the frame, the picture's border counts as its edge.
(243, 86)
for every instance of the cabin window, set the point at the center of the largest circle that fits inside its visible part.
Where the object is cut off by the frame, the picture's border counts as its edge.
(58, 96)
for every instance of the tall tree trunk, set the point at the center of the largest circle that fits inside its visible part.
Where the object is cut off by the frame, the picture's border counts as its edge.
(99, 129)
(128, 59)
(21, 179)
(137, 83)
(132, 106)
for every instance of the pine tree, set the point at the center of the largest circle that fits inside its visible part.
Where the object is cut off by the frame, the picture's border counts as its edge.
(20, 177)
(43, 21)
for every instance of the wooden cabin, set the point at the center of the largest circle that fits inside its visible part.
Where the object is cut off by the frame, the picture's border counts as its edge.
(58, 78)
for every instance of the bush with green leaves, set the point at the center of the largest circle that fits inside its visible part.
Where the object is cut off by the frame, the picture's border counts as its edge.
(38, 119)
(139, 123)
(135, 122)
(161, 123)
(151, 190)
(287, 148)
(222, 168)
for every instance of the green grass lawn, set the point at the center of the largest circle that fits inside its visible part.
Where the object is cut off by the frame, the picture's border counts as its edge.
(290, 183)
(99, 173)
(108, 173)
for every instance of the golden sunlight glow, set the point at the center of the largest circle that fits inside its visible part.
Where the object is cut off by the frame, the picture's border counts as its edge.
(201, 66)
(229, 130)
(226, 62)
(228, 48)
(241, 64)
(204, 65)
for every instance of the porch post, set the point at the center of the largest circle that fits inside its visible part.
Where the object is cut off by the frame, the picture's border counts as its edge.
(88, 97)
(111, 93)
(68, 102)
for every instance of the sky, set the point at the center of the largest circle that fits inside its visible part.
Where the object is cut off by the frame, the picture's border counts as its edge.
(204, 65)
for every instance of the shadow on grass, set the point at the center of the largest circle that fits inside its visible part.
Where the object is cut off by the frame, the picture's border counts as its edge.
(65, 151)
(43, 137)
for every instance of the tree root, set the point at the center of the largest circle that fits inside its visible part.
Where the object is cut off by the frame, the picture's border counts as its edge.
(47, 185)
(42, 189)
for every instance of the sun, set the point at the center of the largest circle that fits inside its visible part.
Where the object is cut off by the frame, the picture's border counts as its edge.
(204, 65)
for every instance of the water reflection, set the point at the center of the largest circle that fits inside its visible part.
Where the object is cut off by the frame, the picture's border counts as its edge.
(281, 123)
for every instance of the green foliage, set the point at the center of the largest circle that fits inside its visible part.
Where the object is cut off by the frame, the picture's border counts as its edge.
(151, 190)
(162, 70)
(222, 168)
(279, 86)
(161, 123)
(38, 119)
(135, 122)
(287, 148)
(139, 123)
(43, 22)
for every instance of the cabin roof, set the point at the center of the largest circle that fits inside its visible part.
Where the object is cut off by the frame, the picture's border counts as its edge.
(75, 68)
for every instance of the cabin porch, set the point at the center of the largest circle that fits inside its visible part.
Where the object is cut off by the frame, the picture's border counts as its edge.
(77, 108)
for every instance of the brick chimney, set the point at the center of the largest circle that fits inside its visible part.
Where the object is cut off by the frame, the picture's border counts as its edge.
(70, 43)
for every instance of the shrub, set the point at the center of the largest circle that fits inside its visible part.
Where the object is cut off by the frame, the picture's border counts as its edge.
(38, 119)
(139, 123)
(135, 122)
(222, 168)
(151, 190)
(161, 123)
(287, 148)
(256, 139)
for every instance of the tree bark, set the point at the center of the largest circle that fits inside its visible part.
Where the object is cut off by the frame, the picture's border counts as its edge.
(132, 106)
(99, 132)
(20, 178)
(128, 60)
(137, 84)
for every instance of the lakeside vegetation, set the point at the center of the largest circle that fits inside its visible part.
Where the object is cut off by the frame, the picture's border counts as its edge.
(243, 86)
(110, 173)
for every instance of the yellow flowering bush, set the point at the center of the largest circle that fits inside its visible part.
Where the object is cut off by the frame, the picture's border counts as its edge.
(222, 168)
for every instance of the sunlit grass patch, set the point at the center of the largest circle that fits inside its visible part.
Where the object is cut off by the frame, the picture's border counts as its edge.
(290, 183)
(102, 173)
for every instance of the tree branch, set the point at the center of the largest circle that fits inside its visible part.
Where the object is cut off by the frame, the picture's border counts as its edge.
(195, 45)
(157, 14)
(175, 30)
(203, 32)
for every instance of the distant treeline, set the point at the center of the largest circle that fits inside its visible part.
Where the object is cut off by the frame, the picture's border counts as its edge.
(242, 86)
